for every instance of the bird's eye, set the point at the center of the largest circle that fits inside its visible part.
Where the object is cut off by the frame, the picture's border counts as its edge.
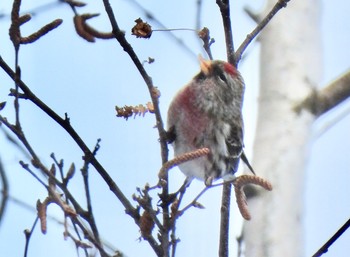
(222, 77)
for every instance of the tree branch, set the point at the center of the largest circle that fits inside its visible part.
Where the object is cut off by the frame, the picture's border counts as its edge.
(225, 220)
(321, 101)
(325, 247)
(4, 192)
(28, 234)
(224, 6)
(120, 36)
(278, 6)
(65, 124)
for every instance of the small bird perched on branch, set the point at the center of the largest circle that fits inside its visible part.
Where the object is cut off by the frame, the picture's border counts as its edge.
(207, 112)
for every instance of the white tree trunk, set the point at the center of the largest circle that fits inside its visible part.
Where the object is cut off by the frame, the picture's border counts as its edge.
(290, 66)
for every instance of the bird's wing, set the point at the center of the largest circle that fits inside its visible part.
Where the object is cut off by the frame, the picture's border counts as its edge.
(234, 143)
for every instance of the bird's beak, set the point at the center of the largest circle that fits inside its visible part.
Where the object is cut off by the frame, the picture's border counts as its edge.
(205, 65)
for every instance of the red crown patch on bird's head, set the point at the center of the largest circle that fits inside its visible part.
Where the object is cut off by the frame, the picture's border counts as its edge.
(230, 69)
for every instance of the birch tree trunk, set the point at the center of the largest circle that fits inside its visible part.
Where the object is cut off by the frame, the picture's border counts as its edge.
(290, 66)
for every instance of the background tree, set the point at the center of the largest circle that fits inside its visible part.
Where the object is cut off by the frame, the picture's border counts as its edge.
(290, 100)
(94, 118)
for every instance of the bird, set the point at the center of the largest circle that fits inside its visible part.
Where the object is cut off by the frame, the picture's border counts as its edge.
(207, 113)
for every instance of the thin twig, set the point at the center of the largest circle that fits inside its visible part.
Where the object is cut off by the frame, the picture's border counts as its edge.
(52, 183)
(90, 215)
(28, 234)
(334, 238)
(4, 191)
(59, 164)
(145, 201)
(15, 142)
(65, 124)
(320, 101)
(54, 197)
(225, 220)
(199, 14)
(224, 6)
(15, 36)
(278, 6)
(193, 202)
(120, 36)
(88, 236)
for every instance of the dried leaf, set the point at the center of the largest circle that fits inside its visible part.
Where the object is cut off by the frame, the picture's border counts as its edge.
(204, 34)
(141, 29)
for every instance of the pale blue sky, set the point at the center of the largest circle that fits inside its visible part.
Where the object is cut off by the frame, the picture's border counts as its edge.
(88, 80)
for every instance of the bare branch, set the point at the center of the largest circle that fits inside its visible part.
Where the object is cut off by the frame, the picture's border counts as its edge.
(325, 247)
(278, 6)
(28, 234)
(65, 124)
(225, 220)
(224, 6)
(4, 192)
(120, 36)
(321, 101)
(90, 215)
(204, 34)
